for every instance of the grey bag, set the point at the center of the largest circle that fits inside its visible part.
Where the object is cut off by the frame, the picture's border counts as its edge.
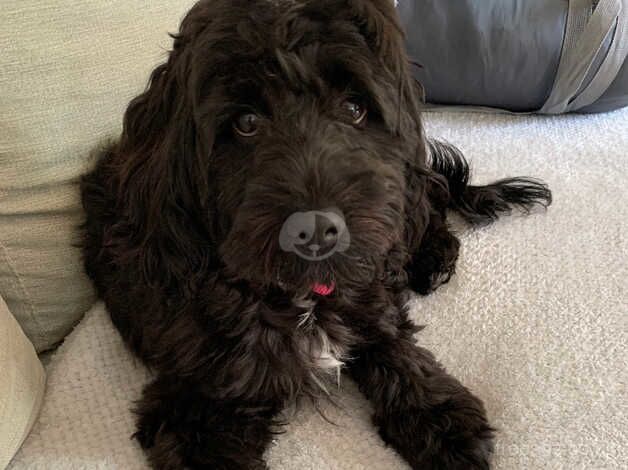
(545, 56)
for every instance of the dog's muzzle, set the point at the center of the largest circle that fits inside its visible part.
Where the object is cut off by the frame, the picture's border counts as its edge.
(315, 235)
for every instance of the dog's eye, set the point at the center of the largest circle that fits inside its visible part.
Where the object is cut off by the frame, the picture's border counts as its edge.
(246, 124)
(357, 111)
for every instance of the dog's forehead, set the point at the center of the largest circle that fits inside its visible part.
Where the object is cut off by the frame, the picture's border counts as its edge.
(278, 51)
(298, 58)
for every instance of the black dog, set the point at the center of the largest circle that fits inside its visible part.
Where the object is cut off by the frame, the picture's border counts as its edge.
(258, 224)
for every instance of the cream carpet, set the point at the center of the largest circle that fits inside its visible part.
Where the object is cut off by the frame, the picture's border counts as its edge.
(535, 322)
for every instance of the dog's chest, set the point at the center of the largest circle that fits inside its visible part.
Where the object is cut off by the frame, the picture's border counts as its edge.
(325, 355)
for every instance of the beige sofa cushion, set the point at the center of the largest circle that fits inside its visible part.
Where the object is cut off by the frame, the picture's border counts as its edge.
(22, 382)
(67, 71)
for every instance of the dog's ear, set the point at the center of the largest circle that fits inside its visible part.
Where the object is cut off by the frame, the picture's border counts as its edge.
(162, 167)
(164, 122)
(378, 23)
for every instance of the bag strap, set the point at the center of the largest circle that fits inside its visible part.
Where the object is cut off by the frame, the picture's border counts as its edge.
(585, 34)
(609, 69)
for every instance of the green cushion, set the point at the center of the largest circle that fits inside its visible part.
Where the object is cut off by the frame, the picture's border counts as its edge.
(68, 71)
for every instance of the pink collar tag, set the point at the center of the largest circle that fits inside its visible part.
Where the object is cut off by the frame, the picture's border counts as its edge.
(323, 289)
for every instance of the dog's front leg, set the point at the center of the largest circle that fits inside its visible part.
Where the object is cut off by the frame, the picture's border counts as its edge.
(181, 426)
(427, 415)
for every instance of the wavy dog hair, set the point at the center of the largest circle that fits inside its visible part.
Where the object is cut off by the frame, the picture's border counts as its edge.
(263, 109)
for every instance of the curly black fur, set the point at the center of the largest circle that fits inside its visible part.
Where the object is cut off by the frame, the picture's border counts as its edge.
(184, 214)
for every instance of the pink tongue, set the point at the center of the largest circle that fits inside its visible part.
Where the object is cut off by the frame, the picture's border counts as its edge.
(323, 289)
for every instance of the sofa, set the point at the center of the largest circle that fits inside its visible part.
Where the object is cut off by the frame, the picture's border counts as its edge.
(535, 321)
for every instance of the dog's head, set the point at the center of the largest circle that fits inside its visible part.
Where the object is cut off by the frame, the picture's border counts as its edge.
(277, 142)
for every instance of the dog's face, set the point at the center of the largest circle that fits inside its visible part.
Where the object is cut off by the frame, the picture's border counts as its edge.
(303, 118)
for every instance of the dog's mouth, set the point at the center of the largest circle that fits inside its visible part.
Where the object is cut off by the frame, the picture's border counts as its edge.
(323, 290)
(320, 288)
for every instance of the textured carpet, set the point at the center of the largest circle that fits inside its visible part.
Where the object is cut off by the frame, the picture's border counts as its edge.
(535, 322)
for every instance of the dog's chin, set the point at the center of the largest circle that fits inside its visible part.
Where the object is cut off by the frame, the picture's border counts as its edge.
(328, 279)
(301, 279)
(323, 286)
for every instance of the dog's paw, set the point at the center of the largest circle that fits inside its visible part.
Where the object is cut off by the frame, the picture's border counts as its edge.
(425, 282)
(192, 444)
(434, 264)
(437, 279)
(449, 436)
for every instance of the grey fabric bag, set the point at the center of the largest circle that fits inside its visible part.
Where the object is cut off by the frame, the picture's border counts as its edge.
(545, 56)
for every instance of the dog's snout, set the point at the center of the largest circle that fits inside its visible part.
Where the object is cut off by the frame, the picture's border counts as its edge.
(327, 230)
(315, 234)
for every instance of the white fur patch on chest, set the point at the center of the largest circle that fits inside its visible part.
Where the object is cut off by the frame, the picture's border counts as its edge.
(326, 355)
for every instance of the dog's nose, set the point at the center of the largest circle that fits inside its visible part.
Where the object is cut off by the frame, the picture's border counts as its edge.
(315, 234)
(327, 230)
